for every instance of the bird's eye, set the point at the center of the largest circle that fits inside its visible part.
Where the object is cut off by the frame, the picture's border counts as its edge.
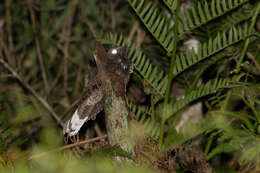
(114, 51)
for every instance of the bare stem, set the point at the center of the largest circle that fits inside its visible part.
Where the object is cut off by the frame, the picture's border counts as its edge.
(38, 49)
(28, 87)
(69, 146)
(170, 76)
(247, 41)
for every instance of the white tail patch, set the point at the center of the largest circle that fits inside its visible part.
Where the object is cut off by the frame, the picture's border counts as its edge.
(74, 124)
(95, 57)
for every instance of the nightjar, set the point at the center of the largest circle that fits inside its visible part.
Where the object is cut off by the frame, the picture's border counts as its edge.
(113, 66)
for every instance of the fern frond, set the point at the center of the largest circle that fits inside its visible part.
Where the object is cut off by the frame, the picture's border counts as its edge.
(213, 46)
(203, 13)
(152, 127)
(235, 139)
(172, 4)
(155, 21)
(238, 16)
(208, 88)
(159, 25)
(153, 75)
(157, 78)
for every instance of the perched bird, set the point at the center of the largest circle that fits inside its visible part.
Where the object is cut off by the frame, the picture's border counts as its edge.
(112, 65)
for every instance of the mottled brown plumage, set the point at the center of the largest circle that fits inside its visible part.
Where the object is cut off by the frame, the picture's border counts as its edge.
(113, 66)
(91, 102)
(89, 105)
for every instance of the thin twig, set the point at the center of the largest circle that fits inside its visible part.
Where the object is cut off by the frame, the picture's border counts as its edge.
(140, 38)
(38, 50)
(251, 56)
(251, 27)
(53, 84)
(113, 15)
(20, 60)
(77, 82)
(76, 149)
(97, 129)
(27, 86)
(1, 37)
(56, 8)
(10, 60)
(66, 32)
(68, 146)
(103, 24)
(132, 32)
(91, 27)
(43, 71)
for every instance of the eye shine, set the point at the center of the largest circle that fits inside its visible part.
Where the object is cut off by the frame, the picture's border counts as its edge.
(114, 51)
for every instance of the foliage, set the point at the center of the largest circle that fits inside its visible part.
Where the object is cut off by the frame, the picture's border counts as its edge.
(46, 47)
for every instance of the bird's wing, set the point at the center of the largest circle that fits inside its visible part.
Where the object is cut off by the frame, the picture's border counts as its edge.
(90, 104)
